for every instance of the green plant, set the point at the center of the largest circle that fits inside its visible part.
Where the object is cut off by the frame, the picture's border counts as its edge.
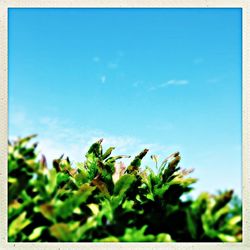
(102, 201)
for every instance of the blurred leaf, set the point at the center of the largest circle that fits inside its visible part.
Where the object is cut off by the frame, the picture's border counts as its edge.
(79, 197)
(227, 238)
(136, 235)
(91, 202)
(94, 208)
(109, 239)
(18, 224)
(61, 232)
(123, 184)
(47, 211)
(163, 238)
(108, 153)
(36, 233)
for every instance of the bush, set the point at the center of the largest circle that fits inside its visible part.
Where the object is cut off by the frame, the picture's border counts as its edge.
(101, 200)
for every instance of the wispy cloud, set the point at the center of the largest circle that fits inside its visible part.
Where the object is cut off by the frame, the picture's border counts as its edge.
(180, 82)
(103, 78)
(57, 137)
(174, 82)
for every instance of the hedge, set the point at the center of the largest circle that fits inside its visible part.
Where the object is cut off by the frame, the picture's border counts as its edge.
(102, 200)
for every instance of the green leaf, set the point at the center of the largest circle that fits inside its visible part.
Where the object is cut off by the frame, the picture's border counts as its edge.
(18, 224)
(106, 212)
(192, 227)
(25, 140)
(81, 232)
(47, 210)
(102, 186)
(123, 184)
(108, 153)
(61, 178)
(161, 190)
(136, 235)
(79, 197)
(235, 220)
(95, 149)
(133, 168)
(108, 239)
(84, 203)
(163, 237)
(52, 181)
(61, 232)
(36, 233)
(227, 238)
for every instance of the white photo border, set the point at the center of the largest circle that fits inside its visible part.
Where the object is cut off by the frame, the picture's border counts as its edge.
(244, 5)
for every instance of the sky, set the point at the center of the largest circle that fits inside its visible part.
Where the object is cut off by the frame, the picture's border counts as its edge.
(164, 79)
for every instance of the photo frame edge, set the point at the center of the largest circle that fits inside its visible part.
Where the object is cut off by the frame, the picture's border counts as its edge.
(5, 5)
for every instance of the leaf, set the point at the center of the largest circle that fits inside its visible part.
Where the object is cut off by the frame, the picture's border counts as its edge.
(61, 232)
(163, 237)
(85, 204)
(47, 211)
(150, 196)
(192, 227)
(123, 184)
(81, 178)
(62, 178)
(105, 214)
(136, 235)
(155, 159)
(91, 223)
(96, 149)
(79, 197)
(101, 186)
(107, 153)
(91, 164)
(94, 208)
(227, 238)
(24, 140)
(52, 181)
(222, 200)
(136, 163)
(128, 205)
(18, 224)
(36, 233)
(108, 239)
(235, 220)
(161, 190)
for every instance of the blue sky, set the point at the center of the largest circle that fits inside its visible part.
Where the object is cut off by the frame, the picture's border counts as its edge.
(166, 79)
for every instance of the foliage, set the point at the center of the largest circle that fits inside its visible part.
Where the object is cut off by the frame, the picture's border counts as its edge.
(101, 200)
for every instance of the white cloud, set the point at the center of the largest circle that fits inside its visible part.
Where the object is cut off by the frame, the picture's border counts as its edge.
(56, 143)
(174, 82)
(57, 137)
(180, 82)
(103, 78)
